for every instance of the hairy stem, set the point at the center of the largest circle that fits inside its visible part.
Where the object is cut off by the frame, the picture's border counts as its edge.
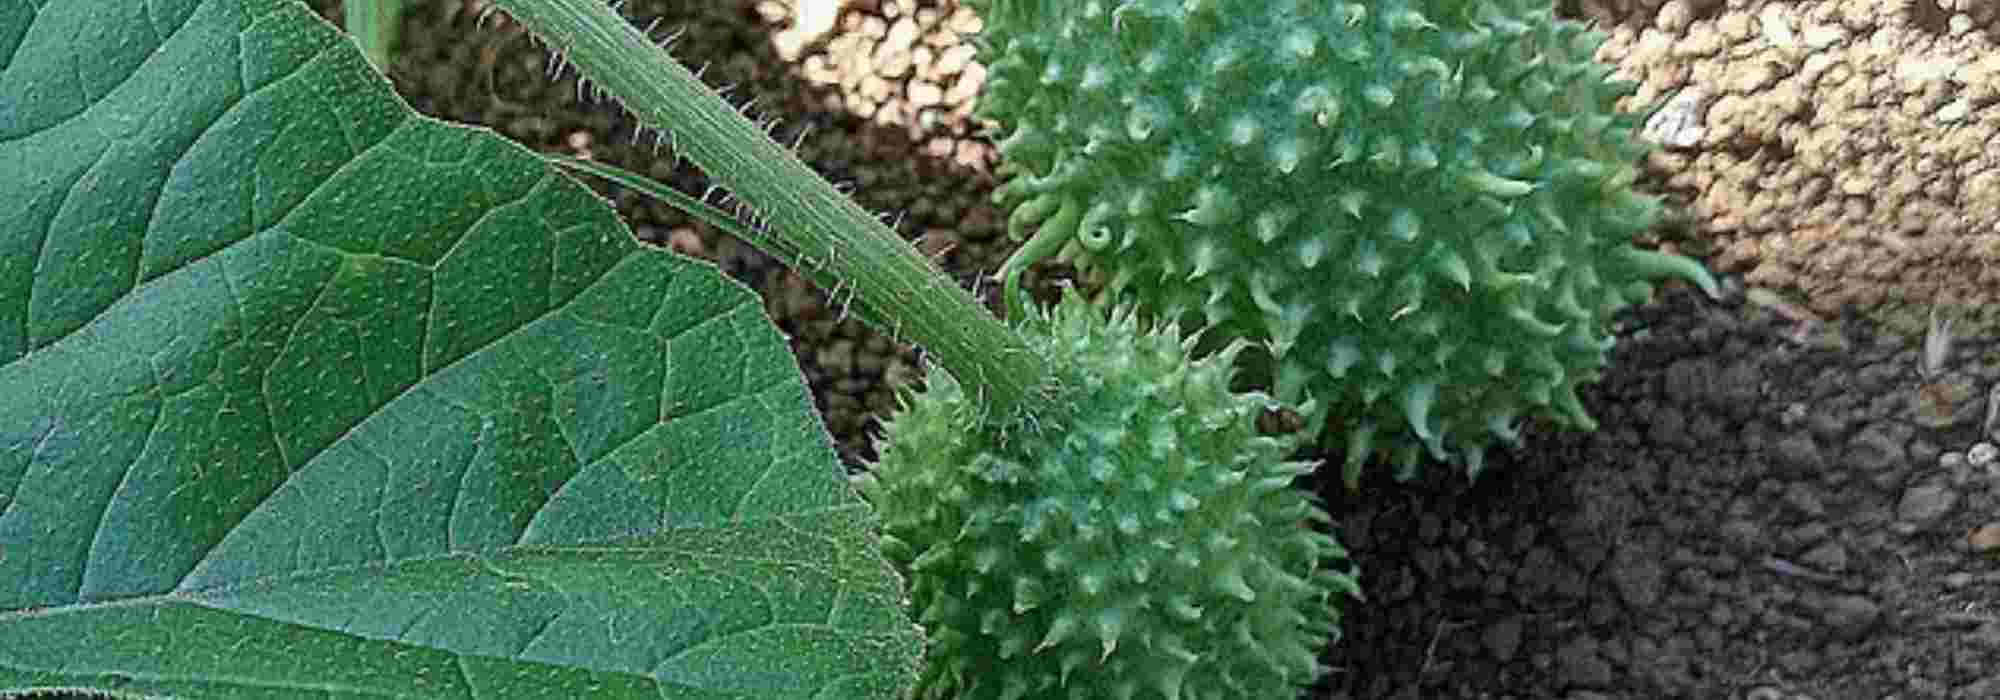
(812, 225)
(374, 24)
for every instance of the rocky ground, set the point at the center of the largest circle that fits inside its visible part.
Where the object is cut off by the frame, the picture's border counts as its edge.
(1840, 152)
(1765, 515)
(1780, 505)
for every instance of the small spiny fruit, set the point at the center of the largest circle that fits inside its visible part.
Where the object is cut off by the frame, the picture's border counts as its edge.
(1419, 210)
(1143, 542)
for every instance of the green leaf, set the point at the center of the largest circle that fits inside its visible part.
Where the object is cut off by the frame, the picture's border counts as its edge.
(305, 395)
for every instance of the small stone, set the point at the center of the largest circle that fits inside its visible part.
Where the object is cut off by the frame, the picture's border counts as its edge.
(1953, 112)
(1752, 78)
(1850, 616)
(923, 94)
(1987, 635)
(965, 21)
(1984, 688)
(902, 36)
(1959, 24)
(1981, 454)
(871, 26)
(1794, 414)
(1503, 639)
(1579, 663)
(1700, 41)
(1924, 505)
(1765, 692)
(1922, 450)
(838, 357)
(1799, 662)
(686, 242)
(1799, 453)
(1878, 447)
(967, 86)
(1673, 17)
(1829, 557)
(1985, 539)
(1736, 27)
(1804, 498)
(1806, 535)
(1776, 29)
(892, 64)
(1821, 36)
(955, 59)
(1745, 536)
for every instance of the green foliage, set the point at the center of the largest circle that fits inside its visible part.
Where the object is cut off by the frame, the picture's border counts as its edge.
(1145, 543)
(302, 394)
(1421, 210)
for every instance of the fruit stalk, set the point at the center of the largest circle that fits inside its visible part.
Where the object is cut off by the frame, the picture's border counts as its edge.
(814, 226)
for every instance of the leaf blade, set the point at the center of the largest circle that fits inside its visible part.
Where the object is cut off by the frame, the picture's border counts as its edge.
(301, 392)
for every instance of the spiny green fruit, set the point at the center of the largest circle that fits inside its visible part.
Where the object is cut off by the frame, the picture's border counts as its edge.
(1421, 210)
(1144, 542)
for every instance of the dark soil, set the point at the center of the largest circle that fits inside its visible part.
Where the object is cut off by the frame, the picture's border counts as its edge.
(1778, 506)
(1759, 518)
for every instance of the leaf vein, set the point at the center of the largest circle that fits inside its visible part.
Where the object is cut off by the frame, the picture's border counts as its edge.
(104, 513)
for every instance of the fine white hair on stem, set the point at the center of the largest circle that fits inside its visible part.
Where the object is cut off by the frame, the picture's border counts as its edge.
(834, 298)
(674, 37)
(937, 259)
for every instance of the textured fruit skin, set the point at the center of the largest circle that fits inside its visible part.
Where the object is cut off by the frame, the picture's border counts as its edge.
(1144, 543)
(1420, 210)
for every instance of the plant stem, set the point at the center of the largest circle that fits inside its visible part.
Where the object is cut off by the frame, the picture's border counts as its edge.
(705, 213)
(814, 225)
(374, 24)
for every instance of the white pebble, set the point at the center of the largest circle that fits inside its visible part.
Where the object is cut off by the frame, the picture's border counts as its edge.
(1982, 454)
(1951, 460)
